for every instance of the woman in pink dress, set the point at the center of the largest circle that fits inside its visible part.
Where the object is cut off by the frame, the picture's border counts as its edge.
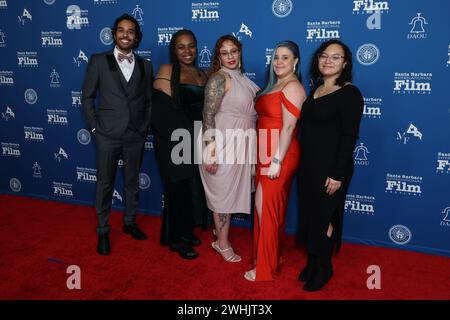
(229, 119)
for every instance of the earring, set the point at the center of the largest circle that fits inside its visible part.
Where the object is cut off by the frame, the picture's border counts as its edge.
(239, 65)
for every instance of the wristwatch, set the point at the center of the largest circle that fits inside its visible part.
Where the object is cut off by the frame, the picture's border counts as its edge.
(276, 160)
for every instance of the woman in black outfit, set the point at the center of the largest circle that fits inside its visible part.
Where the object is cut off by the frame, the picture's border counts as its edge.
(328, 131)
(177, 103)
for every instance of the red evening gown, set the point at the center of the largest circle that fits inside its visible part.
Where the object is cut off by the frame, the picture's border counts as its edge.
(268, 235)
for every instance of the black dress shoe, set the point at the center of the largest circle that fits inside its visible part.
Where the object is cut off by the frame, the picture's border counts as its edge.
(319, 279)
(103, 246)
(134, 231)
(191, 240)
(185, 251)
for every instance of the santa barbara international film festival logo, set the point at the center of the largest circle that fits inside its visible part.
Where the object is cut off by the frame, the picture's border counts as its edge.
(400, 234)
(76, 98)
(204, 58)
(443, 162)
(10, 149)
(269, 53)
(370, 6)
(57, 117)
(6, 78)
(144, 181)
(412, 82)
(318, 31)
(25, 17)
(62, 189)
(81, 58)
(411, 133)
(417, 25)
(106, 36)
(27, 59)
(205, 11)
(446, 217)
(250, 75)
(367, 54)
(145, 54)
(51, 39)
(282, 8)
(83, 136)
(372, 107)
(76, 18)
(360, 204)
(360, 155)
(30, 96)
(243, 31)
(374, 8)
(3, 5)
(86, 175)
(8, 114)
(403, 184)
(34, 134)
(165, 34)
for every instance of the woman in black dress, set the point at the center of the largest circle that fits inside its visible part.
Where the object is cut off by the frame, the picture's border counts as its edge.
(177, 103)
(328, 131)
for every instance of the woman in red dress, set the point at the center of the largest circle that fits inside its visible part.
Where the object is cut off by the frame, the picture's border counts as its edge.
(278, 107)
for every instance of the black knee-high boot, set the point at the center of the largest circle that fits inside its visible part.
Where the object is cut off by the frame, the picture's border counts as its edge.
(323, 270)
(307, 271)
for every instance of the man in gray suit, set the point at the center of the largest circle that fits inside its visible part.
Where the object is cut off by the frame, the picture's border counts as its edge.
(119, 124)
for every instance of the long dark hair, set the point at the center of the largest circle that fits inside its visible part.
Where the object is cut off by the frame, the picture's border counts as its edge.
(136, 26)
(216, 57)
(176, 69)
(346, 75)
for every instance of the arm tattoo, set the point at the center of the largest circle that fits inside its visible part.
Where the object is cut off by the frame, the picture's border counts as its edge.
(214, 93)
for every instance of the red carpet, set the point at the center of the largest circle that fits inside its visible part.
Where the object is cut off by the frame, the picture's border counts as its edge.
(40, 239)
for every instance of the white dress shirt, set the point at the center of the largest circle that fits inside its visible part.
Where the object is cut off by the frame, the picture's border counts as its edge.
(125, 66)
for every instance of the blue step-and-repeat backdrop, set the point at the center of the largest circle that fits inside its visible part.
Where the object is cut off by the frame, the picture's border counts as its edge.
(400, 193)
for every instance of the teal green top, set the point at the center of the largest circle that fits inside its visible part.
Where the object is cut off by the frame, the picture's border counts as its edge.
(191, 98)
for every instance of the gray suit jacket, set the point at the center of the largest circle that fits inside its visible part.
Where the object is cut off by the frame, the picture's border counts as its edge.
(121, 104)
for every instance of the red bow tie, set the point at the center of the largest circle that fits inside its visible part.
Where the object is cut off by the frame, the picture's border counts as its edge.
(122, 57)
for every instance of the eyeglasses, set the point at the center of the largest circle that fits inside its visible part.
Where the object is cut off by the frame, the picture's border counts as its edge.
(333, 57)
(226, 54)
